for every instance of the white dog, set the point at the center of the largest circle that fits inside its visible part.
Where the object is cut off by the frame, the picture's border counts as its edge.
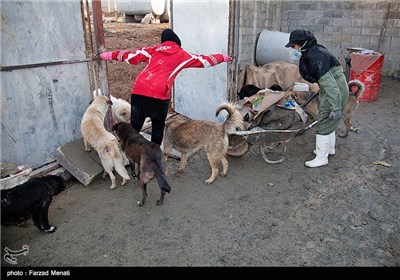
(105, 143)
(121, 109)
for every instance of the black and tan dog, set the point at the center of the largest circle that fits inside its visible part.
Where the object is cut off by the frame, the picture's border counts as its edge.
(188, 136)
(31, 199)
(147, 155)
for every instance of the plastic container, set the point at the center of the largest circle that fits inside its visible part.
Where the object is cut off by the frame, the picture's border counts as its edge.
(271, 47)
(300, 87)
(371, 77)
(17, 178)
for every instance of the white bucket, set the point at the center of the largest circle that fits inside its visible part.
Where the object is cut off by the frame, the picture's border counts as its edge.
(271, 47)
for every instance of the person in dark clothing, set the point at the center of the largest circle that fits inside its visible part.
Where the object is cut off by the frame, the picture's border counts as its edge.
(318, 65)
(151, 90)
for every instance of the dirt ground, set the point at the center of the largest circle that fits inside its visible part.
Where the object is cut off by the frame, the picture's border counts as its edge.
(344, 214)
(128, 36)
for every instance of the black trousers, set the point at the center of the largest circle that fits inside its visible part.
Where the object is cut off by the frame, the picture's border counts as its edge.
(156, 109)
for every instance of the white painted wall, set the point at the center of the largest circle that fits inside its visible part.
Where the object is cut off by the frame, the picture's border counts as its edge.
(203, 29)
(41, 107)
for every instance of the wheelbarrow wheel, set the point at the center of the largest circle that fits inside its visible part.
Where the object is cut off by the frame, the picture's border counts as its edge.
(238, 146)
(264, 148)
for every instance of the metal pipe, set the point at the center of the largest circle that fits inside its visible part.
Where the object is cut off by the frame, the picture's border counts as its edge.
(24, 66)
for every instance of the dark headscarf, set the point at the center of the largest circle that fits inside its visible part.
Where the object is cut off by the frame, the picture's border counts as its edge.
(316, 60)
(169, 35)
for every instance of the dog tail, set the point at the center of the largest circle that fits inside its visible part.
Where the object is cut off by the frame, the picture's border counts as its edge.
(234, 119)
(360, 87)
(162, 180)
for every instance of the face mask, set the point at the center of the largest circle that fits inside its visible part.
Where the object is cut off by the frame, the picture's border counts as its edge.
(296, 54)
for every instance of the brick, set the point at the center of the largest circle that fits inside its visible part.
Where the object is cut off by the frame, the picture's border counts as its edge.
(351, 30)
(361, 22)
(333, 30)
(342, 22)
(359, 39)
(297, 15)
(341, 38)
(352, 14)
(393, 57)
(394, 15)
(374, 40)
(392, 32)
(374, 14)
(377, 23)
(365, 6)
(370, 31)
(333, 14)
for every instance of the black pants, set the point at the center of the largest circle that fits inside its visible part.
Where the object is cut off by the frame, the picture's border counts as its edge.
(156, 109)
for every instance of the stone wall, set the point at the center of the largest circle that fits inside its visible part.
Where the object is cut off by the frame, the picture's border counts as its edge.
(371, 24)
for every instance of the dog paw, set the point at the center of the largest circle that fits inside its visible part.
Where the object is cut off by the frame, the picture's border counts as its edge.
(159, 202)
(181, 170)
(135, 181)
(208, 181)
(112, 187)
(124, 182)
(343, 134)
(223, 174)
(51, 229)
(140, 203)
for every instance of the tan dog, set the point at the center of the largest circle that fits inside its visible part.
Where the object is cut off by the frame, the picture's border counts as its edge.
(188, 136)
(105, 143)
(350, 108)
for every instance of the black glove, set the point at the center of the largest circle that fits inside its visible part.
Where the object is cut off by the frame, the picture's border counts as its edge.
(335, 114)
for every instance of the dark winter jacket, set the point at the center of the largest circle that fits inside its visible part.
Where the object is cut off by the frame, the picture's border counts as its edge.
(316, 59)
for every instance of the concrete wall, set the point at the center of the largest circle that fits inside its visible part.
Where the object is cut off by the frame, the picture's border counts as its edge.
(44, 79)
(372, 24)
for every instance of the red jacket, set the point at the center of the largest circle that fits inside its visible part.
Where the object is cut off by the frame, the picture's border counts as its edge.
(164, 62)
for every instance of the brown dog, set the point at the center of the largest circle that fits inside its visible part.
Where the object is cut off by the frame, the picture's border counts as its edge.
(105, 143)
(188, 136)
(350, 108)
(147, 155)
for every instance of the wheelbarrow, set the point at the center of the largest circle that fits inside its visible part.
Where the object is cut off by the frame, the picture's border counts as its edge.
(268, 139)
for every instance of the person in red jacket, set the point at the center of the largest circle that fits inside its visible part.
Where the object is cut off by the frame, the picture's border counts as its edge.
(151, 90)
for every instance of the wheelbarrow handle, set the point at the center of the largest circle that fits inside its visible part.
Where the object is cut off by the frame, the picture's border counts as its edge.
(309, 100)
(304, 129)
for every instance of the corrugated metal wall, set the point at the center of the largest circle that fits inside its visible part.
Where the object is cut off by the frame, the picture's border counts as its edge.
(45, 85)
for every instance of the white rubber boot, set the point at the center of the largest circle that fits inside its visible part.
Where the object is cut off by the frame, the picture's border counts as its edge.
(322, 144)
(332, 143)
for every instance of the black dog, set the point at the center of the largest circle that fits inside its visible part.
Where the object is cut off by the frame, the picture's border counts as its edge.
(31, 198)
(249, 90)
(147, 155)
